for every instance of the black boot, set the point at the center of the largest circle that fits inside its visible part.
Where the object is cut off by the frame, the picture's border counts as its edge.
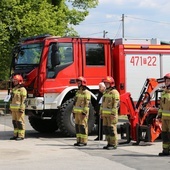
(19, 138)
(105, 147)
(96, 139)
(163, 153)
(13, 138)
(82, 144)
(77, 144)
(112, 147)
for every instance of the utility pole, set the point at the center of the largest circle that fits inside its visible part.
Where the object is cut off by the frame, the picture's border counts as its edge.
(123, 20)
(104, 33)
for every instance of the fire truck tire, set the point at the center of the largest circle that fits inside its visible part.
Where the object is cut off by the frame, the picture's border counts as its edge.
(66, 122)
(43, 126)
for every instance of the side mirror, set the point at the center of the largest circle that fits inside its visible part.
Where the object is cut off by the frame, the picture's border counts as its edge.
(55, 59)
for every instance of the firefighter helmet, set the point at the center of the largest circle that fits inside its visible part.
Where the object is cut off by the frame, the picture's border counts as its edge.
(110, 80)
(83, 80)
(167, 76)
(18, 78)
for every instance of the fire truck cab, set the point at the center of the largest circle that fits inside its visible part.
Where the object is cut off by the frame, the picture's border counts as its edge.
(50, 66)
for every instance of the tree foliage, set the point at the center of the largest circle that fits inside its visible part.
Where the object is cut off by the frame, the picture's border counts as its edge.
(23, 18)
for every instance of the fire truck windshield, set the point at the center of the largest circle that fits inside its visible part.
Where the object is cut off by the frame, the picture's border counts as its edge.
(29, 54)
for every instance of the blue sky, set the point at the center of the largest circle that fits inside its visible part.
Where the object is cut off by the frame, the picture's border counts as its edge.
(143, 19)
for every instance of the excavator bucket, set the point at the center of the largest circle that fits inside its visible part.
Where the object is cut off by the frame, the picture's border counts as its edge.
(156, 129)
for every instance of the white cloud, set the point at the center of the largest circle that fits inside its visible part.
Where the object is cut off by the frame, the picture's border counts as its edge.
(109, 16)
(153, 3)
(111, 2)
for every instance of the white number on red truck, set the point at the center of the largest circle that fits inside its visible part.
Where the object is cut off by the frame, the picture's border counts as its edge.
(138, 67)
(143, 60)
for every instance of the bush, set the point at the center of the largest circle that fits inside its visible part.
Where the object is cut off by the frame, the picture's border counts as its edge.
(3, 85)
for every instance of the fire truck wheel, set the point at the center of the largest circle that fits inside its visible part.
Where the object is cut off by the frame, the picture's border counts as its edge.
(43, 126)
(66, 121)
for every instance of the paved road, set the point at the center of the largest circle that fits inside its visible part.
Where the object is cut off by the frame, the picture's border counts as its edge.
(52, 151)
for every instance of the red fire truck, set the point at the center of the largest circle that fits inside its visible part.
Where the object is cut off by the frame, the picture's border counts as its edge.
(51, 64)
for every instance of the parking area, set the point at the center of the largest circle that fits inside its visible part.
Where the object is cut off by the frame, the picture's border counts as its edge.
(53, 151)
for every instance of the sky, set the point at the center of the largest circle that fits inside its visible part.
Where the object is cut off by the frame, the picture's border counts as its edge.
(142, 19)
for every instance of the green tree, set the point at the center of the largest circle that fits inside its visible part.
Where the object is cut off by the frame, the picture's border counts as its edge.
(23, 18)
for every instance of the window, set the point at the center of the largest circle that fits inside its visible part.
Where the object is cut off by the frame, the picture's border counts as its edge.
(60, 55)
(66, 52)
(95, 54)
(29, 54)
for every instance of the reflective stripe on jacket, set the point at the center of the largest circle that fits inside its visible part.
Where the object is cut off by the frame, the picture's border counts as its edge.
(110, 103)
(19, 95)
(165, 112)
(165, 104)
(82, 100)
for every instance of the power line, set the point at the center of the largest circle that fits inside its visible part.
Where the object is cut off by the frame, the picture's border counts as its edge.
(93, 33)
(137, 18)
(98, 23)
(118, 31)
(160, 22)
(122, 20)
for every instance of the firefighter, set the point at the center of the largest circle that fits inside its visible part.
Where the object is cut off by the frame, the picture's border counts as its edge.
(17, 107)
(164, 114)
(81, 112)
(109, 113)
